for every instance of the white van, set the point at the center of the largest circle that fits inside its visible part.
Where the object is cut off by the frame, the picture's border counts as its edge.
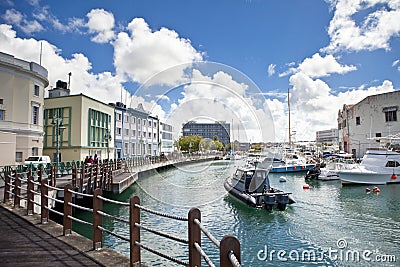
(36, 160)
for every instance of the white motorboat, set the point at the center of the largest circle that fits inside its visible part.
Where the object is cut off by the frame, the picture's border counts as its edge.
(377, 167)
(330, 171)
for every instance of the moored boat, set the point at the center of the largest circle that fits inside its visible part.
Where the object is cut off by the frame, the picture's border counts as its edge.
(290, 163)
(377, 167)
(250, 184)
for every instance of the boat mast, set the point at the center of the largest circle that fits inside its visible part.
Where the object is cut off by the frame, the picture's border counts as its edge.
(290, 135)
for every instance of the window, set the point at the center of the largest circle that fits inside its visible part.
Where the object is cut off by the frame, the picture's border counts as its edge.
(126, 118)
(36, 90)
(119, 131)
(1, 101)
(144, 123)
(133, 133)
(358, 121)
(391, 116)
(378, 135)
(127, 132)
(35, 115)
(18, 156)
(2, 115)
(392, 164)
(119, 116)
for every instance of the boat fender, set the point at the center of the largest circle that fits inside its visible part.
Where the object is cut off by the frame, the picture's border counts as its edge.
(376, 189)
(394, 177)
(302, 167)
(306, 186)
(367, 189)
(294, 168)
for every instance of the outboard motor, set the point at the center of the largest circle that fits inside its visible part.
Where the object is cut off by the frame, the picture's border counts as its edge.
(313, 173)
(282, 200)
(269, 202)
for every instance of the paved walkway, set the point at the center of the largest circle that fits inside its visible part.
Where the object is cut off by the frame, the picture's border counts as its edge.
(23, 244)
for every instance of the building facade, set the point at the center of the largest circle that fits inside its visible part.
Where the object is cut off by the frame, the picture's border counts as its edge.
(327, 136)
(369, 123)
(166, 138)
(22, 90)
(136, 132)
(208, 130)
(77, 126)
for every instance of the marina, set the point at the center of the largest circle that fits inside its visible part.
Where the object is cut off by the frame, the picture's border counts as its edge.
(323, 219)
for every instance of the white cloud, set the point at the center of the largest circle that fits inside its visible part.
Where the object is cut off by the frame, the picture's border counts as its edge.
(102, 86)
(395, 63)
(373, 32)
(101, 23)
(143, 53)
(271, 69)
(16, 18)
(318, 66)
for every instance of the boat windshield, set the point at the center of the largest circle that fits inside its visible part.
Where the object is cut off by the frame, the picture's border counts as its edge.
(258, 181)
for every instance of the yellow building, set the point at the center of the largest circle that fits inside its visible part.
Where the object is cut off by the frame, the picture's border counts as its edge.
(22, 87)
(85, 126)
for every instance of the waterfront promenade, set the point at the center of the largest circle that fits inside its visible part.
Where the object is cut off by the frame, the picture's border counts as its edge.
(24, 241)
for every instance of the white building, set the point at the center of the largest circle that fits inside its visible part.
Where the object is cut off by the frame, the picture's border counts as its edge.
(136, 132)
(22, 87)
(367, 123)
(167, 143)
(327, 136)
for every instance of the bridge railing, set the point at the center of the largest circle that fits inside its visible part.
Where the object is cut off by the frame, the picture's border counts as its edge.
(21, 188)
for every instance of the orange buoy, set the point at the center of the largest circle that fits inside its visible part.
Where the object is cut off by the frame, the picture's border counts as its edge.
(376, 189)
(306, 186)
(394, 177)
(367, 190)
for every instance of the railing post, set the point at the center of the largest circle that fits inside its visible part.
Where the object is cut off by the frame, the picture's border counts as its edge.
(83, 175)
(40, 176)
(229, 244)
(44, 201)
(194, 237)
(30, 194)
(17, 190)
(7, 186)
(134, 231)
(53, 176)
(97, 220)
(74, 176)
(67, 222)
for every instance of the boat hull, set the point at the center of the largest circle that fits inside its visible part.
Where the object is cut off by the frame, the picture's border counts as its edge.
(367, 178)
(267, 201)
(291, 168)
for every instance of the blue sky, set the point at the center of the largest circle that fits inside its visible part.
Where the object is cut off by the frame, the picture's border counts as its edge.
(328, 53)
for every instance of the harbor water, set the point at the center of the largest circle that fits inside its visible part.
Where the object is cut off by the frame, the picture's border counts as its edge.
(329, 225)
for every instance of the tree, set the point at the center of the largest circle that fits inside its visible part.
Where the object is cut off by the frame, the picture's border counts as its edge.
(189, 143)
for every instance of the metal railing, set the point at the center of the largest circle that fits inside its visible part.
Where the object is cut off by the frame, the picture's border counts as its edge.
(21, 188)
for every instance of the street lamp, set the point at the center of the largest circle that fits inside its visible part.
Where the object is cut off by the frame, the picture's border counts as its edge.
(57, 123)
(108, 138)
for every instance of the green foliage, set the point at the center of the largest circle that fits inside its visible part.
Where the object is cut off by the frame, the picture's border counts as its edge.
(193, 143)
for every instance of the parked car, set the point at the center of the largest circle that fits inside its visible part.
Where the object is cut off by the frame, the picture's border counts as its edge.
(36, 160)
